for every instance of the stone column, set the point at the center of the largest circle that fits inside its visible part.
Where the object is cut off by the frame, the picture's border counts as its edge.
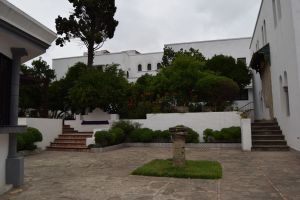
(179, 134)
(15, 163)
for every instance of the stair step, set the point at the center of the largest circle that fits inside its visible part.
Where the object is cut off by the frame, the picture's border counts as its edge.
(265, 128)
(72, 141)
(264, 124)
(269, 142)
(270, 148)
(68, 149)
(268, 137)
(67, 145)
(266, 132)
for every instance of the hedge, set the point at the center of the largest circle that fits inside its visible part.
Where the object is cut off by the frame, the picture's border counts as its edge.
(26, 140)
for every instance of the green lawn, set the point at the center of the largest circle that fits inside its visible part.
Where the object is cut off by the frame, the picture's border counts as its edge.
(193, 169)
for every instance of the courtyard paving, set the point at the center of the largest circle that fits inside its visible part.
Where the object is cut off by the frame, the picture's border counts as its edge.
(106, 176)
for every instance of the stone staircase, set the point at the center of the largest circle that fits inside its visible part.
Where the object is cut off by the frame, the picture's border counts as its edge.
(70, 140)
(267, 136)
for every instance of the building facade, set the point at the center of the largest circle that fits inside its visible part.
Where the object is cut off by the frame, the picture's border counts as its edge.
(275, 49)
(136, 64)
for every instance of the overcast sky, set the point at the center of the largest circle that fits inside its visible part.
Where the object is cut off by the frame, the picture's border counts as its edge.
(146, 25)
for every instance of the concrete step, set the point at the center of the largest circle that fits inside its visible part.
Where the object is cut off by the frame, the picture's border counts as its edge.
(74, 136)
(269, 142)
(265, 128)
(69, 130)
(68, 140)
(68, 149)
(268, 137)
(265, 124)
(67, 145)
(266, 132)
(270, 148)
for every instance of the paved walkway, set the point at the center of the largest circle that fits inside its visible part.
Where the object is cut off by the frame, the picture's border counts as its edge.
(88, 176)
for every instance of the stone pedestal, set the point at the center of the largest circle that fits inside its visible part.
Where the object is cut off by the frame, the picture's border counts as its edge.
(179, 134)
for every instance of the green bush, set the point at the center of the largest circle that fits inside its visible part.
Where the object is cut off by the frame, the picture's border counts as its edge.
(27, 139)
(118, 135)
(104, 138)
(144, 135)
(192, 136)
(232, 134)
(126, 126)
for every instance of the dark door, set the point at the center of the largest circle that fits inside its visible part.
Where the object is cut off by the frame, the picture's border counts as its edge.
(5, 82)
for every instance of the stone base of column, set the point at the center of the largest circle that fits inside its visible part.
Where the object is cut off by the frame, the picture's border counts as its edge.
(15, 171)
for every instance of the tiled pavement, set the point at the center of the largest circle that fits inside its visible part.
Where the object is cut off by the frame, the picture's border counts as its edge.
(85, 176)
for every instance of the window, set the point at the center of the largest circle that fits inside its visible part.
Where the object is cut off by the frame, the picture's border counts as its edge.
(243, 96)
(286, 94)
(243, 60)
(149, 67)
(257, 45)
(158, 66)
(274, 13)
(279, 9)
(265, 32)
(140, 68)
(263, 35)
(127, 74)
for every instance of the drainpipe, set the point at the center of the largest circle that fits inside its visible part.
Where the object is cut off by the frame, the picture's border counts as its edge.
(15, 163)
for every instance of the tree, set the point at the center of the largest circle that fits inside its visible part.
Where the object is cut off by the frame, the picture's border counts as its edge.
(216, 91)
(103, 88)
(34, 93)
(92, 21)
(170, 55)
(227, 66)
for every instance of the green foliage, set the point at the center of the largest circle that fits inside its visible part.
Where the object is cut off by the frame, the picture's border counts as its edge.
(92, 21)
(192, 136)
(96, 87)
(144, 135)
(227, 66)
(104, 138)
(27, 139)
(118, 135)
(232, 134)
(192, 169)
(217, 91)
(34, 87)
(126, 126)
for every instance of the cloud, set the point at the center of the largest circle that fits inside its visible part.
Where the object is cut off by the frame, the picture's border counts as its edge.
(146, 25)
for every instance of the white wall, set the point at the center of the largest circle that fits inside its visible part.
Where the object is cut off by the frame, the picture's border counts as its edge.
(95, 115)
(3, 156)
(50, 129)
(284, 40)
(197, 121)
(237, 48)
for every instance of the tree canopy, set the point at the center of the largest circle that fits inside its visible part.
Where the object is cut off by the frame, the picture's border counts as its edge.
(92, 21)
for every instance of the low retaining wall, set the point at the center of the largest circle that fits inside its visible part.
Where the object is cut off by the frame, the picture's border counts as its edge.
(3, 156)
(50, 129)
(201, 146)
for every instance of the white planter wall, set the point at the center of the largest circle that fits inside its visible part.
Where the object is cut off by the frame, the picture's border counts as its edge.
(50, 129)
(3, 155)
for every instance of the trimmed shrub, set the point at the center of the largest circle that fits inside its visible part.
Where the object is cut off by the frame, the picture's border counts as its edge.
(166, 136)
(126, 126)
(144, 135)
(26, 140)
(232, 134)
(118, 134)
(192, 136)
(104, 138)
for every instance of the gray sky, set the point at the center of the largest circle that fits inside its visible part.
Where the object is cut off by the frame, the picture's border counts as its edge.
(146, 25)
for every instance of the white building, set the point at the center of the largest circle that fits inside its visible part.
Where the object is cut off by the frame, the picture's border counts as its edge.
(276, 52)
(137, 64)
(22, 38)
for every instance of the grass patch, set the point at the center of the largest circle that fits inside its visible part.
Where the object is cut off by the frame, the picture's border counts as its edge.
(193, 169)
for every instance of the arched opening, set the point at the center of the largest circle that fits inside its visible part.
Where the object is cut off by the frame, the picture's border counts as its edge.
(149, 67)
(127, 74)
(140, 68)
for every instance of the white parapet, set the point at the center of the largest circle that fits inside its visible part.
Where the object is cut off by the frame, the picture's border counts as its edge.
(246, 134)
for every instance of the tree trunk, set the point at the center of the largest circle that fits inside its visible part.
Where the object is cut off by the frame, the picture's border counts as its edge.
(91, 54)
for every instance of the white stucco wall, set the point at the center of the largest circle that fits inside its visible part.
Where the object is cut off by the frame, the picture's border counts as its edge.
(284, 40)
(237, 48)
(197, 121)
(3, 155)
(50, 129)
